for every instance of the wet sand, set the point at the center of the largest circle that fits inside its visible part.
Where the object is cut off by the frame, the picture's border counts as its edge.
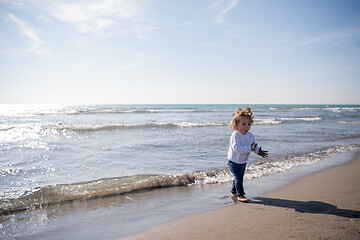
(324, 205)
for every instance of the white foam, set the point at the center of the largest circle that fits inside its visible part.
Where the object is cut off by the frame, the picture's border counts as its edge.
(267, 121)
(343, 109)
(286, 163)
(349, 122)
(307, 119)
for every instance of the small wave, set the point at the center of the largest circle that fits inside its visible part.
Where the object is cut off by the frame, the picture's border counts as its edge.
(306, 108)
(294, 107)
(6, 128)
(139, 111)
(285, 163)
(40, 110)
(356, 136)
(113, 126)
(349, 122)
(306, 119)
(317, 108)
(54, 194)
(266, 121)
(108, 187)
(36, 132)
(343, 109)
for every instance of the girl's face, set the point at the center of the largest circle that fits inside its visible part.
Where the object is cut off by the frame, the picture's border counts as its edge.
(244, 125)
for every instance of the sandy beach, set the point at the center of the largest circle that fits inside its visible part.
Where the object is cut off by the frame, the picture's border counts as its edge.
(324, 205)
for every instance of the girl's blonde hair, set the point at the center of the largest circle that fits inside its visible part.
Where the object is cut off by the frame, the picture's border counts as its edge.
(238, 115)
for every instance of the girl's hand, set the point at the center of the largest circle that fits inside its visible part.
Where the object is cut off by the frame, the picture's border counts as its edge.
(253, 147)
(262, 153)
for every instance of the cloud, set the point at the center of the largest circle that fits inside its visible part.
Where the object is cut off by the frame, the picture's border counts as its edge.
(98, 17)
(215, 4)
(342, 36)
(17, 3)
(35, 42)
(142, 29)
(338, 37)
(140, 61)
(224, 11)
(182, 24)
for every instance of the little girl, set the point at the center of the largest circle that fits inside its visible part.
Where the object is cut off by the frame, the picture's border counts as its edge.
(242, 143)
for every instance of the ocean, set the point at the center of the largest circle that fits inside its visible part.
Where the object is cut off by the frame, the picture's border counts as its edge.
(55, 155)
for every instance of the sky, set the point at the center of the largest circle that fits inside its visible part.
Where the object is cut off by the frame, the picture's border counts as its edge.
(180, 51)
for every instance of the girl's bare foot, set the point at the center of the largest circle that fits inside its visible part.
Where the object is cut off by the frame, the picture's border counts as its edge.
(243, 199)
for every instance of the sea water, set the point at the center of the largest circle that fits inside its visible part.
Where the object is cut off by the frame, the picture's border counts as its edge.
(52, 154)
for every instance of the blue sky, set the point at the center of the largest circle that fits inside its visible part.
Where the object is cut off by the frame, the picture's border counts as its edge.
(180, 51)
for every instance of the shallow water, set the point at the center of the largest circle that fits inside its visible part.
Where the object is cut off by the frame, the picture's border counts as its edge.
(120, 216)
(55, 154)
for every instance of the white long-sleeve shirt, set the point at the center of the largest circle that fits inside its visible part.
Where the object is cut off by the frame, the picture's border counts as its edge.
(240, 147)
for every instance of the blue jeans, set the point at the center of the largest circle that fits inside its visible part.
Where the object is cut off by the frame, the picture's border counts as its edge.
(238, 170)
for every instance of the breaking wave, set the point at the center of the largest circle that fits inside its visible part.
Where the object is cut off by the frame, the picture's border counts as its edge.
(108, 187)
(43, 110)
(337, 108)
(11, 133)
(349, 122)
(58, 110)
(119, 111)
(266, 121)
(112, 126)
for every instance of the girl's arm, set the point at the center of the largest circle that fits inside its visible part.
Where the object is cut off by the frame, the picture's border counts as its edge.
(254, 147)
(263, 153)
(235, 144)
(258, 150)
(241, 149)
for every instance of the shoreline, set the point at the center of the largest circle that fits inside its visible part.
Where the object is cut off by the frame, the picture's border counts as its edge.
(307, 208)
(133, 214)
